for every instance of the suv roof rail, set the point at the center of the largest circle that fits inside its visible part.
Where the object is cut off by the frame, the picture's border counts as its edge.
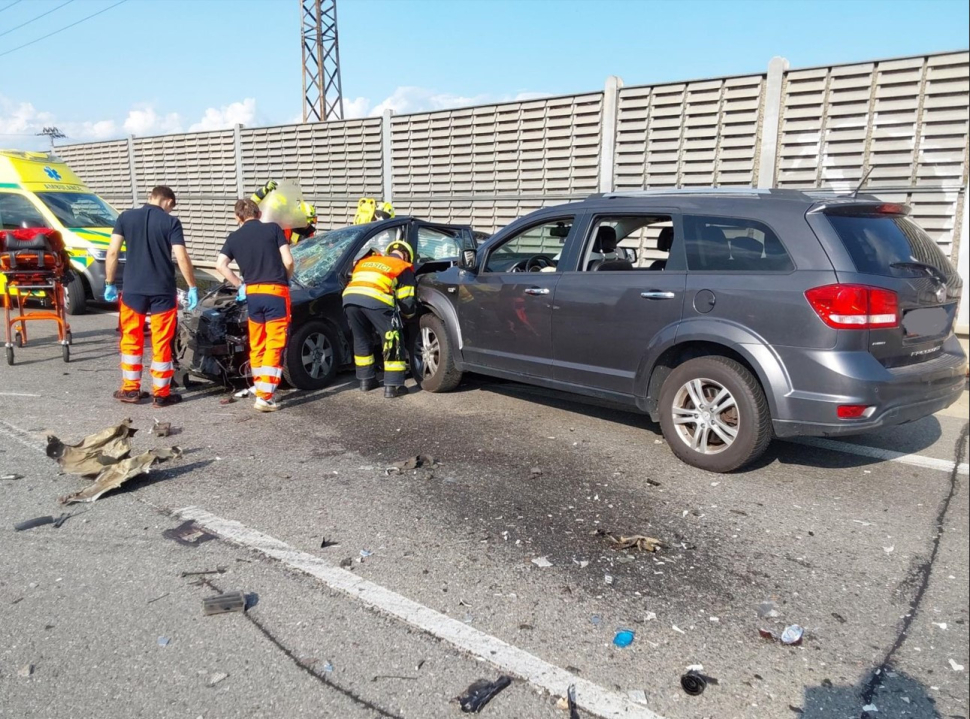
(752, 191)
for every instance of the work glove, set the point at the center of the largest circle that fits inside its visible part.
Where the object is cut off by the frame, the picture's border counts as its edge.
(269, 187)
(193, 298)
(241, 295)
(110, 293)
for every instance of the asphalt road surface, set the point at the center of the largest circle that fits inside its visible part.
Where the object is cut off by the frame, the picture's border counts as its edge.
(493, 562)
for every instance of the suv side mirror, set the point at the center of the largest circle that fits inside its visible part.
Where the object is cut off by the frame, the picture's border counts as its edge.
(469, 260)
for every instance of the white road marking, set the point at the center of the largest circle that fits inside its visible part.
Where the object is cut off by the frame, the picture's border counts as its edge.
(17, 394)
(16, 435)
(589, 696)
(887, 455)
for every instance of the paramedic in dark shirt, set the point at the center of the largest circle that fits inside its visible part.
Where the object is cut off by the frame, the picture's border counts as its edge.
(262, 253)
(151, 236)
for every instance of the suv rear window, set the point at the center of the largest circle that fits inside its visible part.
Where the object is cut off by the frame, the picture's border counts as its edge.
(727, 244)
(878, 242)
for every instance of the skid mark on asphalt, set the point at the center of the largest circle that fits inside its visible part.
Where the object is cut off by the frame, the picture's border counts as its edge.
(888, 455)
(593, 698)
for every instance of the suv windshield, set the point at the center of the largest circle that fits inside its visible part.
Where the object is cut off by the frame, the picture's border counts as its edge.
(317, 256)
(75, 209)
(889, 245)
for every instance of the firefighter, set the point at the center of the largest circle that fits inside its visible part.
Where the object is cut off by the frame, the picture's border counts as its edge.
(369, 210)
(380, 291)
(308, 209)
(263, 255)
(151, 235)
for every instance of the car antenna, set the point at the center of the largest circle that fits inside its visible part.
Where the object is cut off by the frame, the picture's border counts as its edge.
(862, 182)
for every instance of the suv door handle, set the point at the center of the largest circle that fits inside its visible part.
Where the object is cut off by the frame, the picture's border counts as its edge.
(657, 295)
(537, 291)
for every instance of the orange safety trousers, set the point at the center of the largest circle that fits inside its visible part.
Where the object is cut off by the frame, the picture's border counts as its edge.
(269, 322)
(133, 310)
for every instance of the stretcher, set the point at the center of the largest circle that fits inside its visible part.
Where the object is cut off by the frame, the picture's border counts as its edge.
(33, 260)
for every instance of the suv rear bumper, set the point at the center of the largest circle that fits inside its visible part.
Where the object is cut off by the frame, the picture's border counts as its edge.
(899, 395)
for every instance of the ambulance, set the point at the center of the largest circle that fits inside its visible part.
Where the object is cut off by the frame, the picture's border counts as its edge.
(38, 190)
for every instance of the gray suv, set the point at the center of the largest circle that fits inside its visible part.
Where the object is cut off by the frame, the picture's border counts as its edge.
(729, 316)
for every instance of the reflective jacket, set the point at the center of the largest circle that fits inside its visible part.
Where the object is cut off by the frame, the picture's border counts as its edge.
(380, 282)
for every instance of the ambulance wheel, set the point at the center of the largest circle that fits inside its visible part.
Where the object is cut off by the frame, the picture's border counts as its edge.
(66, 353)
(19, 339)
(10, 355)
(311, 358)
(75, 296)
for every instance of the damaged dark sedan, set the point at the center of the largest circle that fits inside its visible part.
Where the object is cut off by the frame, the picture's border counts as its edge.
(213, 338)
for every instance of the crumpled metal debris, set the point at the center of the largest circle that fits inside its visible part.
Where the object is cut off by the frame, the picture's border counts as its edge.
(188, 534)
(481, 693)
(638, 541)
(224, 603)
(92, 454)
(115, 475)
(162, 429)
(419, 461)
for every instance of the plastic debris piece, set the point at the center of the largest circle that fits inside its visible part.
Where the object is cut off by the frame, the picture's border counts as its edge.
(651, 616)
(364, 553)
(11, 476)
(113, 476)
(637, 695)
(956, 667)
(677, 629)
(481, 693)
(871, 708)
(32, 523)
(941, 625)
(792, 635)
(571, 702)
(216, 678)
(693, 683)
(624, 638)
(241, 393)
(596, 619)
(25, 671)
(188, 534)
(162, 429)
(328, 668)
(224, 603)
(889, 550)
(695, 668)
(542, 562)
(767, 634)
(608, 579)
(768, 610)
(163, 641)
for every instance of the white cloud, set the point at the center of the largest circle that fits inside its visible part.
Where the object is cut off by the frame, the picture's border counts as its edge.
(355, 108)
(408, 99)
(236, 113)
(144, 120)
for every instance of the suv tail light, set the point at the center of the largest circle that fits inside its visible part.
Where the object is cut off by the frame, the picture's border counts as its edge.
(855, 307)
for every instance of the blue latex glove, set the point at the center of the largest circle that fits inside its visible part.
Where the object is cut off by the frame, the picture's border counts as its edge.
(193, 297)
(110, 293)
(241, 295)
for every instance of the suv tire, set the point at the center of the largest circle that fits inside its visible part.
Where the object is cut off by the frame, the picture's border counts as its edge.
(433, 356)
(312, 357)
(717, 437)
(75, 295)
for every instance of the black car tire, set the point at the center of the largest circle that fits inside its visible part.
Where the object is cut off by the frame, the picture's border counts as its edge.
(75, 295)
(752, 417)
(301, 359)
(445, 376)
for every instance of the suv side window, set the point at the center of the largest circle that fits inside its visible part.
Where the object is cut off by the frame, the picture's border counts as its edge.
(629, 242)
(537, 248)
(16, 212)
(728, 244)
(434, 244)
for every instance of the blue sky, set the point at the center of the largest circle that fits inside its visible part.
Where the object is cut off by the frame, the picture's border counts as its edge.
(155, 66)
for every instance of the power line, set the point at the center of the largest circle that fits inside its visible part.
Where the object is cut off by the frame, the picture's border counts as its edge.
(6, 7)
(66, 27)
(44, 14)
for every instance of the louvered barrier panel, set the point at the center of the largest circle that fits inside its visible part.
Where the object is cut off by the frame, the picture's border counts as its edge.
(103, 166)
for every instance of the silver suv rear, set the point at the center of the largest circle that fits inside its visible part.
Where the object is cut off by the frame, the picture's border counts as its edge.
(729, 316)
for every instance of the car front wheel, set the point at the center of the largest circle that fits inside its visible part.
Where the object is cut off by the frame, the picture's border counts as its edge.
(714, 414)
(432, 356)
(311, 357)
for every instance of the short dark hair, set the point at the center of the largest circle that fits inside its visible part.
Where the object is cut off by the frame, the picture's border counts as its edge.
(246, 210)
(163, 192)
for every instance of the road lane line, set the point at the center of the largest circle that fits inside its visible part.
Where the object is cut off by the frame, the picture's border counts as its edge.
(589, 696)
(887, 455)
(16, 435)
(17, 394)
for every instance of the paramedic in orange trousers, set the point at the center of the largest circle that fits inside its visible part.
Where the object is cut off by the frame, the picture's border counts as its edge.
(263, 254)
(151, 236)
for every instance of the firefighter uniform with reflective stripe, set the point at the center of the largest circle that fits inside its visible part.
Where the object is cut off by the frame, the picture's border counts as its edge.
(269, 320)
(133, 309)
(380, 286)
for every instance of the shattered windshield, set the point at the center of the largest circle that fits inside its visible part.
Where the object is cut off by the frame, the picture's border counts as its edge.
(317, 256)
(80, 210)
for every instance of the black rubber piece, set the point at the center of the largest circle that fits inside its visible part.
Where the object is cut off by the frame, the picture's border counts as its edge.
(481, 693)
(693, 683)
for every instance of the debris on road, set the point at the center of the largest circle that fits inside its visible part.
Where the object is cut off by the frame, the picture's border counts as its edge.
(227, 400)
(792, 635)
(941, 625)
(217, 570)
(152, 601)
(624, 638)
(481, 693)
(25, 671)
(11, 477)
(365, 553)
(113, 476)
(328, 668)
(889, 550)
(571, 702)
(326, 543)
(31, 523)
(768, 610)
(608, 580)
(637, 695)
(241, 394)
(870, 708)
(59, 522)
(956, 667)
(535, 471)
(216, 678)
(596, 619)
(693, 683)
(163, 641)
(677, 629)
(162, 429)
(224, 603)
(418, 461)
(638, 541)
(541, 562)
(92, 454)
(188, 534)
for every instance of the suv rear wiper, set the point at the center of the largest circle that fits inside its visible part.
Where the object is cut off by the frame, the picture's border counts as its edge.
(934, 272)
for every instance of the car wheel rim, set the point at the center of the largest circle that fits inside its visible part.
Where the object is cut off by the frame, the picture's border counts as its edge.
(430, 352)
(705, 415)
(317, 355)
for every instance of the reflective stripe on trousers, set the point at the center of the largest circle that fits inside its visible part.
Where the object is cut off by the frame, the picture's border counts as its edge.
(269, 321)
(133, 347)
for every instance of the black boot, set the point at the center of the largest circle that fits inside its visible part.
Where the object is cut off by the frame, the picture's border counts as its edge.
(366, 385)
(392, 392)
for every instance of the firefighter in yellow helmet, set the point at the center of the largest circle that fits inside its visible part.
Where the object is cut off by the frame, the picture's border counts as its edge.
(380, 291)
(309, 210)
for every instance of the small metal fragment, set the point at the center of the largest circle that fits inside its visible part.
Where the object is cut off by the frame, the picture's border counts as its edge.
(224, 603)
(31, 523)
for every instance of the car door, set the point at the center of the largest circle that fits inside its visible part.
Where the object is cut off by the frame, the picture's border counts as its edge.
(608, 311)
(505, 307)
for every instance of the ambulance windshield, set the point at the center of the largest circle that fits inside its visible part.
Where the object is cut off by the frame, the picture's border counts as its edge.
(79, 210)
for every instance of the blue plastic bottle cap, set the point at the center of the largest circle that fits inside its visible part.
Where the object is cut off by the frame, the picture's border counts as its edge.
(623, 638)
